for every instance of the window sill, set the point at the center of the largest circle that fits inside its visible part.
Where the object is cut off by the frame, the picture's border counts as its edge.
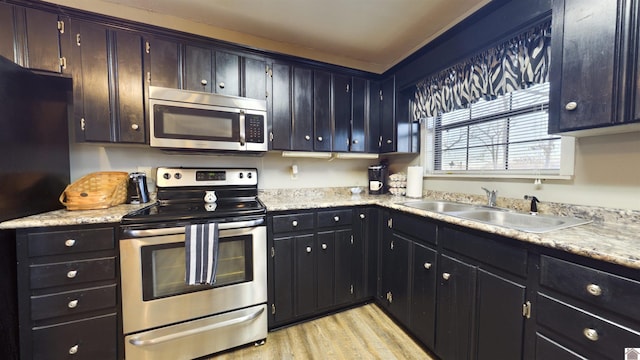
(499, 176)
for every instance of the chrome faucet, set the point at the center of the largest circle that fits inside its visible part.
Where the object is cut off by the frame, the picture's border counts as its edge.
(534, 201)
(491, 196)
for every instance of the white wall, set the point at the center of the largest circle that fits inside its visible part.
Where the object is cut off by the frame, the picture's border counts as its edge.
(607, 174)
(274, 171)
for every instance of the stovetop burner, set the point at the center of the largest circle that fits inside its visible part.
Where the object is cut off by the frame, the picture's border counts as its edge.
(181, 196)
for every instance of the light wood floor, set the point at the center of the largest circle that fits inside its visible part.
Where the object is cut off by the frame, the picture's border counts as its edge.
(365, 332)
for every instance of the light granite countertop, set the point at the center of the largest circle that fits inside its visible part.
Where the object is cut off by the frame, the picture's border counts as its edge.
(612, 237)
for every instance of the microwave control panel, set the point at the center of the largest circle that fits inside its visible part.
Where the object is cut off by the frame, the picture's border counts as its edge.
(254, 128)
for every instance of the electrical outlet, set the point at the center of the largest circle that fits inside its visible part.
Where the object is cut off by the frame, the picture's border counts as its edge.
(147, 170)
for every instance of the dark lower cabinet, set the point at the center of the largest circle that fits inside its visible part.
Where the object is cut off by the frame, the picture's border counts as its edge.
(394, 274)
(423, 297)
(325, 254)
(455, 308)
(281, 289)
(305, 260)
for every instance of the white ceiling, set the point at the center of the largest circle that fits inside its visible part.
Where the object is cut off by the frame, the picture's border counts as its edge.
(371, 35)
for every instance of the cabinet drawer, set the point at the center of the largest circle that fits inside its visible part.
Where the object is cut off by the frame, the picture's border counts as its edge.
(293, 222)
(72, 272)
(334, 218)
(593, 333)
(93, 338)
(592, 286)
(73, 302)
(416, 227)
(70, 242)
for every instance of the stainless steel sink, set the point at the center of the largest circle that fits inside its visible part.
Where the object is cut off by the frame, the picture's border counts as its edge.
(439, 206)
(498, 216)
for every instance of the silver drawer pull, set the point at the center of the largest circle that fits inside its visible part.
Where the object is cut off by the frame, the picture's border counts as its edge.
(308, 249)
(572, 105)
(294, 223)
(69, 242)
(307, 137)
(594, 290)
(72, 274)
(427, 265)
(320, 138)
(324, 246)
(590, 334)
(362, 216)
(446, 276)
(336, 218)
(73, 350)
(72, 304)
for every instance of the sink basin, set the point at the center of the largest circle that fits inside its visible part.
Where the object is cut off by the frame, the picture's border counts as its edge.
(439, 206)
(519, 221)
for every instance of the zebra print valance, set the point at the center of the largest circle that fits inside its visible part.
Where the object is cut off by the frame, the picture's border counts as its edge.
(515, 64)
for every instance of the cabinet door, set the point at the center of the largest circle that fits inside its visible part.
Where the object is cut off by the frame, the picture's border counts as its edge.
(198, 62)
(374, 141)
(342, 112)
(282, 309)
(322, 117)
(395, 276)
(281, 98)
(358, 115)
(585, 43)
(90, 67)
(455, 308)
(326, 249)
(305, 275)
(302, 134)
(423, 295)
(227, 74)
(347, 264)
(42, 42)
(129, 78)
(255, 79)
(500, 325)
(387, 116)
(164, 65)
(7, 35)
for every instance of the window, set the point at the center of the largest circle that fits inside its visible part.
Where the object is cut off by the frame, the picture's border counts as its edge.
(488, 116)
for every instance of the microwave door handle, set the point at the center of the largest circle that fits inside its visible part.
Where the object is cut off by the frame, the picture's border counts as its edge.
(243, 136)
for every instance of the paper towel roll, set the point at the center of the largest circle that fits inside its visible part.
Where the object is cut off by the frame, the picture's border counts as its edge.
(414, 181)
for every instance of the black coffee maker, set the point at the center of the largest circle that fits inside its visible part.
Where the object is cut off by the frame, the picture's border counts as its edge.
(138, 193)
(378, 175)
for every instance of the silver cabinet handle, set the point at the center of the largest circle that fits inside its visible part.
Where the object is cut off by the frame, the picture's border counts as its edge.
(320, 138)
(336, 218)
(294, 223)
(72, 274)
(355, 141)
(308, 249)
(135, 126)
(73, 350)
(307, 137)
(69, 242)
(590, 334)
(72, 304)
(204, 82)
(221, 85)
(389, 141)
(362, 216)
(446, 276)
(324, 246)
(594, 290)
(572, 105)
(427, 265)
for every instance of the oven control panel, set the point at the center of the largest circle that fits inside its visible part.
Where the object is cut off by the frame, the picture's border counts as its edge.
(179, 177)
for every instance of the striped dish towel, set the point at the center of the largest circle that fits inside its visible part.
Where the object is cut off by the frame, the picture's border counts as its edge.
(201, 250)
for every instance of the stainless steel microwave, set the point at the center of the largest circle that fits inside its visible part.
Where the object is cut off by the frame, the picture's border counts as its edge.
(190, 120)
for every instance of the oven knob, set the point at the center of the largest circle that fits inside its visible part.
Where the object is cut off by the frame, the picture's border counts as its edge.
(177, 176)
(241, 175)
(249, 175)
(166, 176)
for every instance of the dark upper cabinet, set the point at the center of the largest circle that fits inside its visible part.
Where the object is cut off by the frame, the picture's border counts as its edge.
(227, 72)
(589, 64)
(302, 122)
(280, 135)
(42, 43)
(387, 96)
(322, 115)
(407, 130)
(255, 78)
(342, 112)
(106, 66)
(164, 62)
(198, 66)
(373, 138)
(359, 99)
(7, 36)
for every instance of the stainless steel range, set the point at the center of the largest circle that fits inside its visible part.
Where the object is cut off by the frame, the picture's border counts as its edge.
(163, 317)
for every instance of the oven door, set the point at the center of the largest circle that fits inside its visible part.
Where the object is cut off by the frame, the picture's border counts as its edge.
(154, 292)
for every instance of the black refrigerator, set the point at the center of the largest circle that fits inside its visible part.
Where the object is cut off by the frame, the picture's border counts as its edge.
(34, 168)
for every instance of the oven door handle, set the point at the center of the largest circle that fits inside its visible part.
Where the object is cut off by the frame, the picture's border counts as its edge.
(180, 230)
(181, 334)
